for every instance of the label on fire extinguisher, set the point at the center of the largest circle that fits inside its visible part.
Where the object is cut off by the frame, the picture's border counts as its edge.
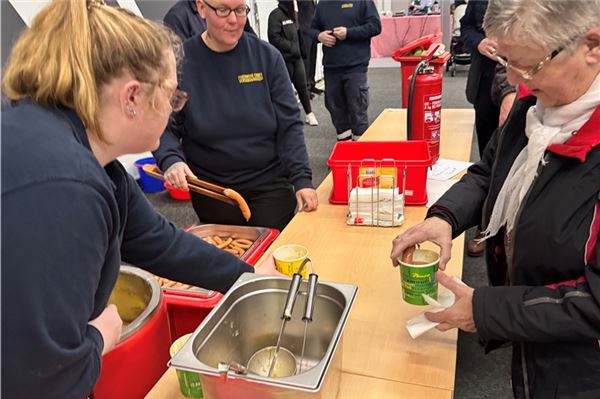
(432, 116)
(432, 109)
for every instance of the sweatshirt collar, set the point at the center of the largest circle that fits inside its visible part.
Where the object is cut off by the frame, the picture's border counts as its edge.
(77, 125)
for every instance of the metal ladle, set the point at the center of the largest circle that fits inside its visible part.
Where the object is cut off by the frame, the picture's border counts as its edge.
(287, 310)
(308, 311)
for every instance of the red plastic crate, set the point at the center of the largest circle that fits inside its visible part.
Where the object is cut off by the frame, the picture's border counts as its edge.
(413, 154)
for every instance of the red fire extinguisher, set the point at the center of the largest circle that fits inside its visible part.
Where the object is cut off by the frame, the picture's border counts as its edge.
(425, 107)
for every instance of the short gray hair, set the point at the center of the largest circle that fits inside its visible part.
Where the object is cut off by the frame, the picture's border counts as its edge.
(545, 23)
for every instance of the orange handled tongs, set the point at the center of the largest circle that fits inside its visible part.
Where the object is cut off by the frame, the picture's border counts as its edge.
(205, 188)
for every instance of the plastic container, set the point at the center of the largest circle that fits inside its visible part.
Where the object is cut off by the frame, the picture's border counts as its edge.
(149, 183)
(175, 193)
(187, 308)
(409, 62)
(413, 154)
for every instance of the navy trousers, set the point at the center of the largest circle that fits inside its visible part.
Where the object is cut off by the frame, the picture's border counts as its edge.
(347, 100)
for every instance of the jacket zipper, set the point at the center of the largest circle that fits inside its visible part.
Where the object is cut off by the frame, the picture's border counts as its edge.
(484, 222)
(525, 374)
(509, 262)
(509, 265)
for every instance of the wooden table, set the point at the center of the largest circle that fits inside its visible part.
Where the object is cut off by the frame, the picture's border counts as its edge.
(380, 359)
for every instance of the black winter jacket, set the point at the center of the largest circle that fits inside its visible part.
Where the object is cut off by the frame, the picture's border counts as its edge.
(283, 34)
(547, 300)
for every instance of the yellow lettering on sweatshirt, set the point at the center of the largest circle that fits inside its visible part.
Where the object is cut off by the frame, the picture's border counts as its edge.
(347, 5)
(250, 77)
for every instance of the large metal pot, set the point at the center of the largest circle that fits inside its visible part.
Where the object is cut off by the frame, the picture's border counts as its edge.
(137, 295)
(248, 319)
(132, 368)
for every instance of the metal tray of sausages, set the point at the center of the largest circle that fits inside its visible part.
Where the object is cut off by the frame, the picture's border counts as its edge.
(250, 233)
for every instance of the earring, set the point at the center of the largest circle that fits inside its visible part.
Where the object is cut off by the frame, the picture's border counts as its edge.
(131, 111)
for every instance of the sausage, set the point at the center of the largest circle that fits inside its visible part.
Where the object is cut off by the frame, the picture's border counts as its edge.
(244, 208)
(242, 243)
(225, 243)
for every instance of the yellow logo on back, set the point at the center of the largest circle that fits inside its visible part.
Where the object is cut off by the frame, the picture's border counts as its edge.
(347, 5)
(250, 77)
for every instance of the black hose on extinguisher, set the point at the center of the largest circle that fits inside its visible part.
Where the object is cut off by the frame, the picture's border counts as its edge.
(411, 90)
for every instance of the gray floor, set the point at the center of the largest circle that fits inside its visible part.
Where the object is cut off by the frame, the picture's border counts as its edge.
(477, 375)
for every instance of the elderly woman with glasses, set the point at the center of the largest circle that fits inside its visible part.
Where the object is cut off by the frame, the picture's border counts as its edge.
(538, 190)
(241, 127)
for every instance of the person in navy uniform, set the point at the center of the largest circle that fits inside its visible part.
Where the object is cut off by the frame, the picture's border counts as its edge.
(241, 126)
(88, 83)
(345, 28)
(183, 19)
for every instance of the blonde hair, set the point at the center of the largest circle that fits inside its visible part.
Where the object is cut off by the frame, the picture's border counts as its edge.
(73, 47)
(549, 24)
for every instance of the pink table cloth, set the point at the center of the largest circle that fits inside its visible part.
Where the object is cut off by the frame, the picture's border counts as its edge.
(396, 32)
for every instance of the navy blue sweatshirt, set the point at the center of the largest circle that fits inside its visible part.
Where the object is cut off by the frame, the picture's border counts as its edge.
(67, 223)
(361, 19)
(241, 126)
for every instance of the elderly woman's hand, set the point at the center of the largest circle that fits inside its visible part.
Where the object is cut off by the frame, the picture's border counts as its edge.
(307, 200)
(459, 315)
(176, 174)
(433, 229)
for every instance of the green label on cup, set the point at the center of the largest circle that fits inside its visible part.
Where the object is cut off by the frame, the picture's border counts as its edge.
(189, 384)
(418, 277)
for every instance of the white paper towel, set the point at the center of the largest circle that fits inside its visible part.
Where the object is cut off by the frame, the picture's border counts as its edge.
(419, 324)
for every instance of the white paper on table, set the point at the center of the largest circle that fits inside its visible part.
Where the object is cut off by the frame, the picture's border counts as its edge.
(419, 324)
(437, 188)
(445, 169)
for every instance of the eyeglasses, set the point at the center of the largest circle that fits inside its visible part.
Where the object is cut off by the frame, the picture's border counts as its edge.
(178, 100)
(528, 74)
(224, 12)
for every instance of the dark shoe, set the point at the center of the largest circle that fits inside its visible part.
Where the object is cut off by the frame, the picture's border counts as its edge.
(475, 248)
(316, 91)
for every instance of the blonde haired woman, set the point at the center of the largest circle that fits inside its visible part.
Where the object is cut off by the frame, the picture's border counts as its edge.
(538, 189)
(88, 83)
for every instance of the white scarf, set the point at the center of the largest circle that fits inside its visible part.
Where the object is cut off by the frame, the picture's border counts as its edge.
(543, 127)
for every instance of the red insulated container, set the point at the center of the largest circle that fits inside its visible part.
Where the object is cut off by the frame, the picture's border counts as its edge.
(187, 308)
(140, 358)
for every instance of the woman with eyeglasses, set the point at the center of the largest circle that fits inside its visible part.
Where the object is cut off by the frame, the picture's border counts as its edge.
(241, 126)
(538, 189)
(88, 83)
